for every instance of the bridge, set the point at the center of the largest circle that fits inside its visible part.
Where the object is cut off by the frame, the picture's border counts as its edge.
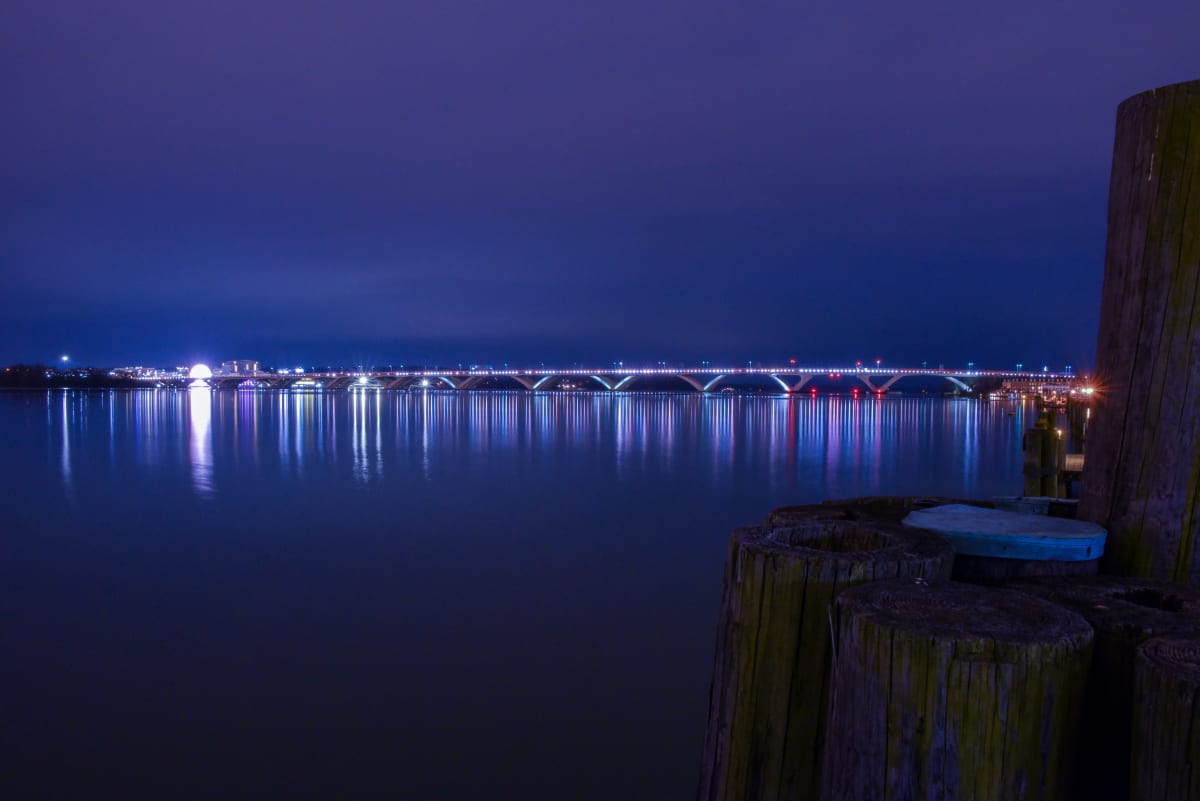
(790, 379)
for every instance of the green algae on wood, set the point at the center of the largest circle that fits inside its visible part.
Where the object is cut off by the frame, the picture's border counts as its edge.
(1124, 612)
(953, 691)
(774, 644)
(1142, 475)
(1166, 721)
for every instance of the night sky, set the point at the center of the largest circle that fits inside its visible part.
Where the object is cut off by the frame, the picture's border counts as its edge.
(370, 182)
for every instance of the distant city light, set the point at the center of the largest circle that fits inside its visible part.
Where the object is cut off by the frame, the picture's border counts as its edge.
(200, 372)
(66, 358)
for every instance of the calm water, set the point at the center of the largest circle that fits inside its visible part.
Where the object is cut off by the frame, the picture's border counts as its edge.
(220, 595)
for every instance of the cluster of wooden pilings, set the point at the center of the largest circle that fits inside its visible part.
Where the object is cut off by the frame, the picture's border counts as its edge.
(860, 659)
(853, 662)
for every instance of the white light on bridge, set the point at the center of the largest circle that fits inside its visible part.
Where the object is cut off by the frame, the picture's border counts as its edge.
(200, 372)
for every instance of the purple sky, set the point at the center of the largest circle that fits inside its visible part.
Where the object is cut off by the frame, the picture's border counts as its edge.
(371, 182)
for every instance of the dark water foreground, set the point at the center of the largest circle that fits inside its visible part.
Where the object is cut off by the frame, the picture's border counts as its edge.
(431, 596)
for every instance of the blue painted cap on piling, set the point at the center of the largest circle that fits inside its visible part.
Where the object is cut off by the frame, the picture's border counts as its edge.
(974, 531)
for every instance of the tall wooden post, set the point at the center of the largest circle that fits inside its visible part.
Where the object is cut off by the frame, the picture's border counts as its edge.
(1142, 475)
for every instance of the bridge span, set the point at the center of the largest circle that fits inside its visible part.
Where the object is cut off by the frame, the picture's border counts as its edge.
(790, 379)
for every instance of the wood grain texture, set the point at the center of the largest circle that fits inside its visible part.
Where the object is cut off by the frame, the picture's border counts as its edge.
(875, 508)
(990, 570)
(771, 671)
(1124, 612)
(1142, 475)
(1166, 721)
(953, 691)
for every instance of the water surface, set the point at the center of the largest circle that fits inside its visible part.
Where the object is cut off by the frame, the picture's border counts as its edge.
(224, 595)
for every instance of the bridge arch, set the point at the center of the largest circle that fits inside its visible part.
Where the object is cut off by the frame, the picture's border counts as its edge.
(965, 387)
(890, 381)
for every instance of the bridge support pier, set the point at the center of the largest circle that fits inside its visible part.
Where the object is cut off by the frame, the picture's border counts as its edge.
(796, 386)
(878, 389)
(614, 385)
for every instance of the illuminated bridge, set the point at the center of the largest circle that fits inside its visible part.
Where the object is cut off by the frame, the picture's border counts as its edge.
(620, 379)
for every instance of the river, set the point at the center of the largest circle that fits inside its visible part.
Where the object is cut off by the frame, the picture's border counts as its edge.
(427, 595)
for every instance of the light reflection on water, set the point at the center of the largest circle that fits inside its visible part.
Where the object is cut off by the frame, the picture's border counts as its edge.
(200, 428)
(513, 591)
(851, 443)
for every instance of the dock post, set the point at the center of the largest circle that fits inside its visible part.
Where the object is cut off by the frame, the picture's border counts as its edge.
(954, 691)
(766, 725)
(1141, 479)
(1166, 720)
(1044, 458)
(1125, 613)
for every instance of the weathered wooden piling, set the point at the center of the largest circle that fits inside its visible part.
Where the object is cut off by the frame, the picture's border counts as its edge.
(1044, 451)
(771, 671)
(1079, 414)
(953, 691)
(1166, 721)
(873, 508)
(1141, 479)
(1124, 612)
(992, 546)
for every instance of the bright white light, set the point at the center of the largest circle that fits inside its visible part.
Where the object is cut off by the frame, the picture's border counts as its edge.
(200, 372)
(66, 358)
(363, 380)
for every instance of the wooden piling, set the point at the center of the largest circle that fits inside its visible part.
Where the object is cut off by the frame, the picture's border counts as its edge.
(953, 691)
(993, 546)
(771, 671)
(1142, 476)
(1166, 721)
(1124, 612)
(873, 508)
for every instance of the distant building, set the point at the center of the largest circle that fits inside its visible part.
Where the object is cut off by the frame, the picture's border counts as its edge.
(239, 366)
